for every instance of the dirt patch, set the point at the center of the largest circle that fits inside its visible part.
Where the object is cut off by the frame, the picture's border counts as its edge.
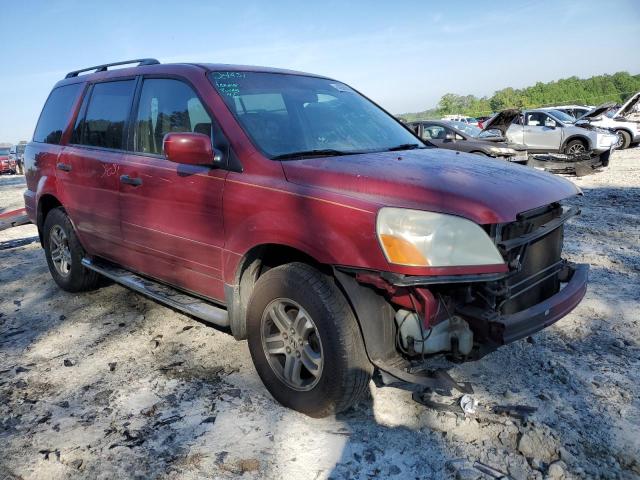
(110, 385)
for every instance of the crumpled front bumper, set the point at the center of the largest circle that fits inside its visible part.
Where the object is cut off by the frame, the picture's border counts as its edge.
(509, 328)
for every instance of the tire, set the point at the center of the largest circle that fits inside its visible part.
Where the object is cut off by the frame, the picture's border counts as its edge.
(344, 371)
(576, 146)
(72, 276)
(624, 140)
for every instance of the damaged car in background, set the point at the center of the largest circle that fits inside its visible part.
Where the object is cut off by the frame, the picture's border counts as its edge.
(350, 249)
(464, 137)
(553, 139)
(622, 120)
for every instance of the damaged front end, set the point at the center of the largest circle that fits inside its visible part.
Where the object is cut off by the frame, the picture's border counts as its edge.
(467, 316)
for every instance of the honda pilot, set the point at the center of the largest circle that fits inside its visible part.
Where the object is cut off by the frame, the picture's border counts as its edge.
(300, 215)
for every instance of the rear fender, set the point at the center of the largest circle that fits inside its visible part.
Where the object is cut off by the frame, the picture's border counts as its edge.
(47, 186)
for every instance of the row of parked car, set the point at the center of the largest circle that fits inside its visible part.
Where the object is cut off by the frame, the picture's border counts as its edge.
(563, 138)
(621, 120)
(11, 159)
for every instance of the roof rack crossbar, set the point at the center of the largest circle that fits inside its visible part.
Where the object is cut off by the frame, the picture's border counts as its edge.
(103, 68)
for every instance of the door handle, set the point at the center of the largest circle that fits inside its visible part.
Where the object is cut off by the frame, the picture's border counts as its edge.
(130, 181)
(65, 167)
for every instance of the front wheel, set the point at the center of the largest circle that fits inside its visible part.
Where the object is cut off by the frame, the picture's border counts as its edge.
(305, 341)
(624, 140)
(575, 147)
(64, 254)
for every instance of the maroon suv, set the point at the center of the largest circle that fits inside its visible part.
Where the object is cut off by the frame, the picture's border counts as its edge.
(292, 209)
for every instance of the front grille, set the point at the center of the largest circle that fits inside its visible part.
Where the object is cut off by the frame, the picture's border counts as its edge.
(534, 266)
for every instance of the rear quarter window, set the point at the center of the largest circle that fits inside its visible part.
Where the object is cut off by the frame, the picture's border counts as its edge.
(56, 113)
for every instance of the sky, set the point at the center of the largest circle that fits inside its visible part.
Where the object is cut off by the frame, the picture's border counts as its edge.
(403, 54)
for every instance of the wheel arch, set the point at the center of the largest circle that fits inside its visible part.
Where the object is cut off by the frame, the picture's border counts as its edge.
(626, 130)
(577, 136)
(46, 203)
(253, 264)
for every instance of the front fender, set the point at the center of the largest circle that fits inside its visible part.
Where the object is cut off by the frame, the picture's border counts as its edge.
(331, 232)
(326, 241)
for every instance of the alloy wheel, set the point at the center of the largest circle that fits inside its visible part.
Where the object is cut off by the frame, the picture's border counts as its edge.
(577, 148)
(59, 250)
(291, 343)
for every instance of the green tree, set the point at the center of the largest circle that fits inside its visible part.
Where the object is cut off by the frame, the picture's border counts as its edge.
(573, 90)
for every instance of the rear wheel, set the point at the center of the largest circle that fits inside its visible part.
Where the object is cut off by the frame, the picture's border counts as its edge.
(624, 140)
(576, 146)
(64, 254)
(305, 341)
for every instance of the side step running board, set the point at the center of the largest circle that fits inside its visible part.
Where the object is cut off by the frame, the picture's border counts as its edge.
(161, 293)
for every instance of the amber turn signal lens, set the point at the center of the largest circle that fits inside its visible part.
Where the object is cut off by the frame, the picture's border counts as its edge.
(402, 252)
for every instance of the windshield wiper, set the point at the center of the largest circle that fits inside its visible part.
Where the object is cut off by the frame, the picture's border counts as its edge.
(327, 152)
(405, 146)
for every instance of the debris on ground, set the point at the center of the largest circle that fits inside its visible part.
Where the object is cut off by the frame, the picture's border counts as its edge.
(108, 384)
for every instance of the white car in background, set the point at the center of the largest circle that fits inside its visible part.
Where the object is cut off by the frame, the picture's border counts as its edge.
(462, 119)
(576, 111)
(623, 121)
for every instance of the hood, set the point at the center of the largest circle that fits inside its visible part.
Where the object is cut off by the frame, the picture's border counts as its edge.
(502, 121)
(629, 107)
(484, 190)
(597, 112)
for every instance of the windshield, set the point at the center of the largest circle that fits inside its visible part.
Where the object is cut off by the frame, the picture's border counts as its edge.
(293, 115)
(4, 151)
(466, 128)
(563, 117)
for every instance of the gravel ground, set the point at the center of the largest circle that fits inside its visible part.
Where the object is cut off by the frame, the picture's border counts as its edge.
(108, 384)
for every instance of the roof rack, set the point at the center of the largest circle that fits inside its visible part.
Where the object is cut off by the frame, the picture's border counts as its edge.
(103, 68)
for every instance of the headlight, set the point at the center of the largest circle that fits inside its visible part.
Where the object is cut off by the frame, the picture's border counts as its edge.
(502, 151)
(427, 239)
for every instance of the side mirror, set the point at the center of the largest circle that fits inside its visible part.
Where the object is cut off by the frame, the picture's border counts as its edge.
(190, 148)
(449, 137)
(550, 124)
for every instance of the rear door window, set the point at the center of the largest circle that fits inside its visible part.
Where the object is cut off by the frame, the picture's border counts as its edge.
(106, 115)
(55, 114)
(165, 106)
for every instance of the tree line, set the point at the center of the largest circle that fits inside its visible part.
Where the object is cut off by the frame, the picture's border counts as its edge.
(573, 90)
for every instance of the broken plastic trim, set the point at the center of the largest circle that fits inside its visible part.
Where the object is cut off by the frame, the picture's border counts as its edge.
(541, 231)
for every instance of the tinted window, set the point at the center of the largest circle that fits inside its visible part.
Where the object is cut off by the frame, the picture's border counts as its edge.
(106, 116)
(56, 113)
(167, 106)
